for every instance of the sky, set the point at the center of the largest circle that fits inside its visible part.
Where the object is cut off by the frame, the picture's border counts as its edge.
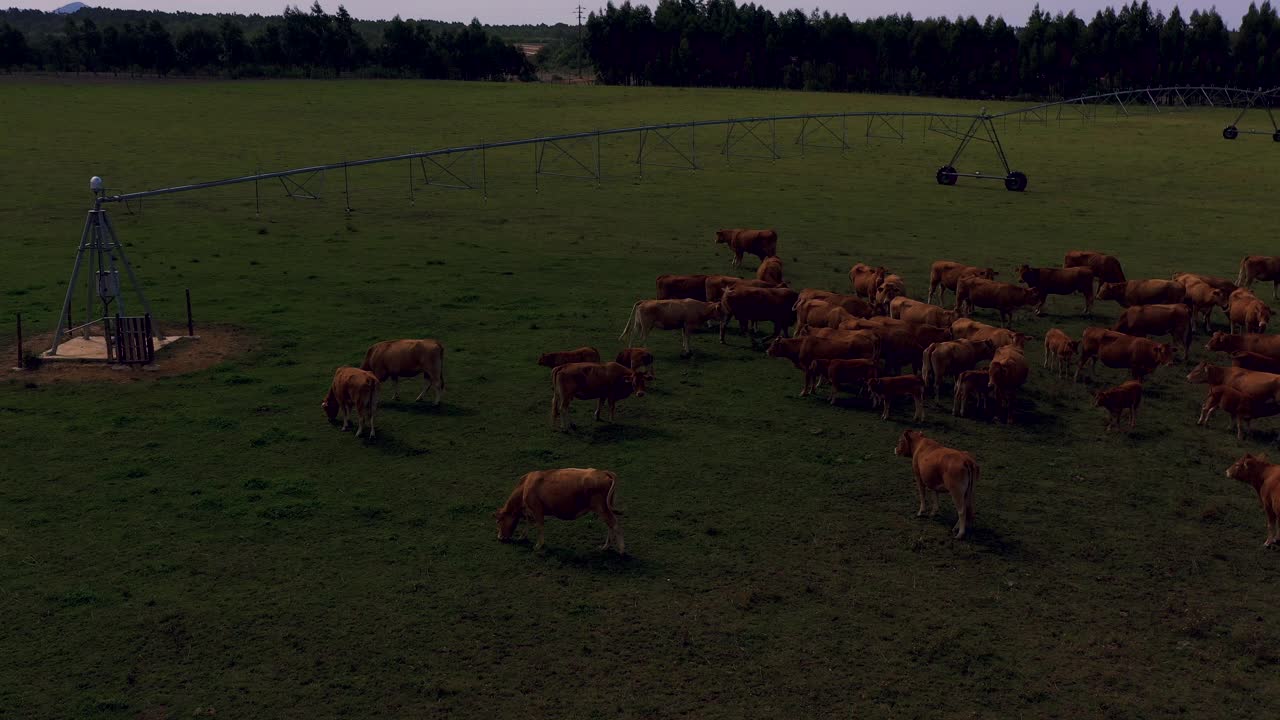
(502, 12)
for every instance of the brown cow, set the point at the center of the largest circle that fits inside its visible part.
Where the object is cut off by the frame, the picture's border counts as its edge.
(884, 326)
(352, 389)
(566, 494)
(1258, 386)
(1008, 373)
(761, 243)
(885, 389)
(397, 359)
(637, 358)
(1246, 310)
(1105, 267)
(1142, 292)
(1060, 349)
(1117, 350)
(974, 292)
(1268, 345)
(891, 286)
(1242, 409)
(865, 280)
(683, 315)
(945, 275)
(949, 359)
(1254, 361)
(682, 287)
(974, 384)
(1264, 478)
(966, 329)
(1126, 396)
(914, 311)
(582, 354)
(717, 284)
(749, 304)
(819, 313)
(802, 352)
(602, 382)
(1260, 267)
(1202, 297)
(1226, 286)
(770, 270)
(1056, 281)
(1143, 320)
(852, 304)
(847, 375)
(937, 467)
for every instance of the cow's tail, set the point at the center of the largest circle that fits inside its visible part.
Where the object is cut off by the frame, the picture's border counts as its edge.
(926, 371)
(971, 473)
(633, 321)
(367, 363)
(613, 486)
(1244, 261)
(442, 368)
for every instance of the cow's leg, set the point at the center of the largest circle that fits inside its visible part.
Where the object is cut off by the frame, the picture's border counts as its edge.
(919, 400)
(613, 407)
(723, 322)
(426, 382)
(346, 418)
(961, 526)
(920, 490)
(599, 407)
(372, 431)
(684, 341)
(933, 509)
(1275, 290)
(395, 387)
(885, 399)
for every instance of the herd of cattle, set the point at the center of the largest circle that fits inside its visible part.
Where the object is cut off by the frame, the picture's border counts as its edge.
(861, 342)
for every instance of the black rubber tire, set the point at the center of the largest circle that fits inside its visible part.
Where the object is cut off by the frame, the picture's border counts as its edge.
(946, 175)
(1230, 132)
(1015, 182)
(1276, 136)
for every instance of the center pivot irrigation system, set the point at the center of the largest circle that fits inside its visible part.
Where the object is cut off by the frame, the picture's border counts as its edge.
(672, 145)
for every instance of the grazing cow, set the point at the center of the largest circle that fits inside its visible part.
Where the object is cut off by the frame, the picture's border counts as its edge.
(602, 382)
(914, 311)
(1008, 373)
(1258, 386)
(936, 468)
(1117, 350)
(966, 329)
(1246, 310)
(1254, 361)
(852, 304)
(638, 359)
(975, 292)
(683, 315)
(397, 359)
(819, 313)
(1202, 297)
(717, 284)
(891, 286)
(1143, 320)
(566, 494)
(352, 389)
(1105, 267)
(749, 304)
(974, 384)
(1264, 478)
(1268, 345)
(848, 375)
(1056, 281)
(1125, 397)
(770, 270)
(1142, 292)
(865, 280)
(802, 352)
(945, 275)
(761, 243)
(942, 360)
(884, 326)
(1242, 409)
(885, 389)
(682, 287)
(1260, 267)
(1059, 349)
(582, 354)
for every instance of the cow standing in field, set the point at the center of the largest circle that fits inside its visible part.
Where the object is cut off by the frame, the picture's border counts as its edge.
(851, 304)
(865, 280)
(975, 384)
(682, 287)
(1264, 478)
(891, 286)
(717, 284)
(749, 305)
(582, 354)
(848, 375)
(951, 358)
(1059, 281)
(937, 468)
(1143, 320)
(1203, 296)
(770, 270)
(397, 359)
(1059, 350)
(352, 389)
(819, 313)
(1106, 268)
(761, 243)
(1260, 267)
(1008, 373)
(1117, 350)
(976, 292)
(566, 494)
(945, 275)
(1142, 292)
(885, 389)
(1257, 386)
(966, 329)
(1268, 345)
(914, 311)
(1246, 310)
(638, 359)
(1240, 407)
(802, 352)
(683, 315)
(602, 382)
(1125, 397)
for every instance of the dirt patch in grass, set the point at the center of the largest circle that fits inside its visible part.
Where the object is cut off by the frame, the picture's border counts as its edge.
(211, 346)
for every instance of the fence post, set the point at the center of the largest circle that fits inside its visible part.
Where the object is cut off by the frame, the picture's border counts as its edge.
(191, 328)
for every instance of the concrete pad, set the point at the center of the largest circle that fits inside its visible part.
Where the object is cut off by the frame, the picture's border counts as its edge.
(94, 348)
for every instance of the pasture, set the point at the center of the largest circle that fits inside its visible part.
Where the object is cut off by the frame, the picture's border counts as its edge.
(179, 543)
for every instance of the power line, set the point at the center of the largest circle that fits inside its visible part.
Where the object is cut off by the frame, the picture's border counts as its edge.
(579, 11)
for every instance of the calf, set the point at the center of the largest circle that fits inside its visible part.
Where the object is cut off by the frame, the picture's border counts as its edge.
(770, 270)
(748, 305)
(1106, 268)
(638, 359)
(937, 467)
(1117, 400)
(397, 359)
(1142, 292)
(1202, 297)
(1060, 349)
(1258, 386)
(1006, 298)
(945, 275)
(1260, 267)
(352, 389)
(1117, 350)
(582, 354)
(1254, 361)
(1268, 345)
(885, 389)
(949, 359)
(1264, 478)
(865, 280)
(819, 313)
(682, 287)
(1055, 281)
(761, 243)
(566, 494)
(683, 315)
(1242, 409)
(1246, 310)
(1226, 286)
(602, 382)
(892, 286)
(966, 329)
(974, 384)
(1008, 373)
(1143, 320)
(847, 375)
(802, 352)
(914, 311)
(855, 306)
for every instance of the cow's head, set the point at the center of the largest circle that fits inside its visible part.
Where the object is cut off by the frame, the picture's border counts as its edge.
(1220, 298)
(780, 347)
(988, 273)
(715, 310)
(907, 441)
(1020, 339)
(1165, 354)
(722, 237)
(637, 382)
(1110, 291)
(1218, 341)
(330, 405)
(1249, 468)
(1072, 347)
(507, 521)
(1097, 397)
(1199, 373)
(545, 360)
(1027, 274)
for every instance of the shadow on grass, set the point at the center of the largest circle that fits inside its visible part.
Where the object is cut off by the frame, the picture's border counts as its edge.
(593, 431)
(444, 409)
(581, 558)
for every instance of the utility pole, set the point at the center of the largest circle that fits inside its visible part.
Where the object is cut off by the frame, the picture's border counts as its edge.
(579, 11)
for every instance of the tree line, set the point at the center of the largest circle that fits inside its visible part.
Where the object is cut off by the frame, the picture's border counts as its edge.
(298, 43)
(721, 43)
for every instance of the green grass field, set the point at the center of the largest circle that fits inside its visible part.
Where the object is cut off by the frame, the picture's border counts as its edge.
(207, 541)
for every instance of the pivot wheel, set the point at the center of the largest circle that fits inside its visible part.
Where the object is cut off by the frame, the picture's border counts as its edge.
(947, 175)
(1015, 182)
(1276, 136)
(1230, 132)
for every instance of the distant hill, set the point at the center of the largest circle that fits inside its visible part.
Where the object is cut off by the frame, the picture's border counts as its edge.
(68, 9)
